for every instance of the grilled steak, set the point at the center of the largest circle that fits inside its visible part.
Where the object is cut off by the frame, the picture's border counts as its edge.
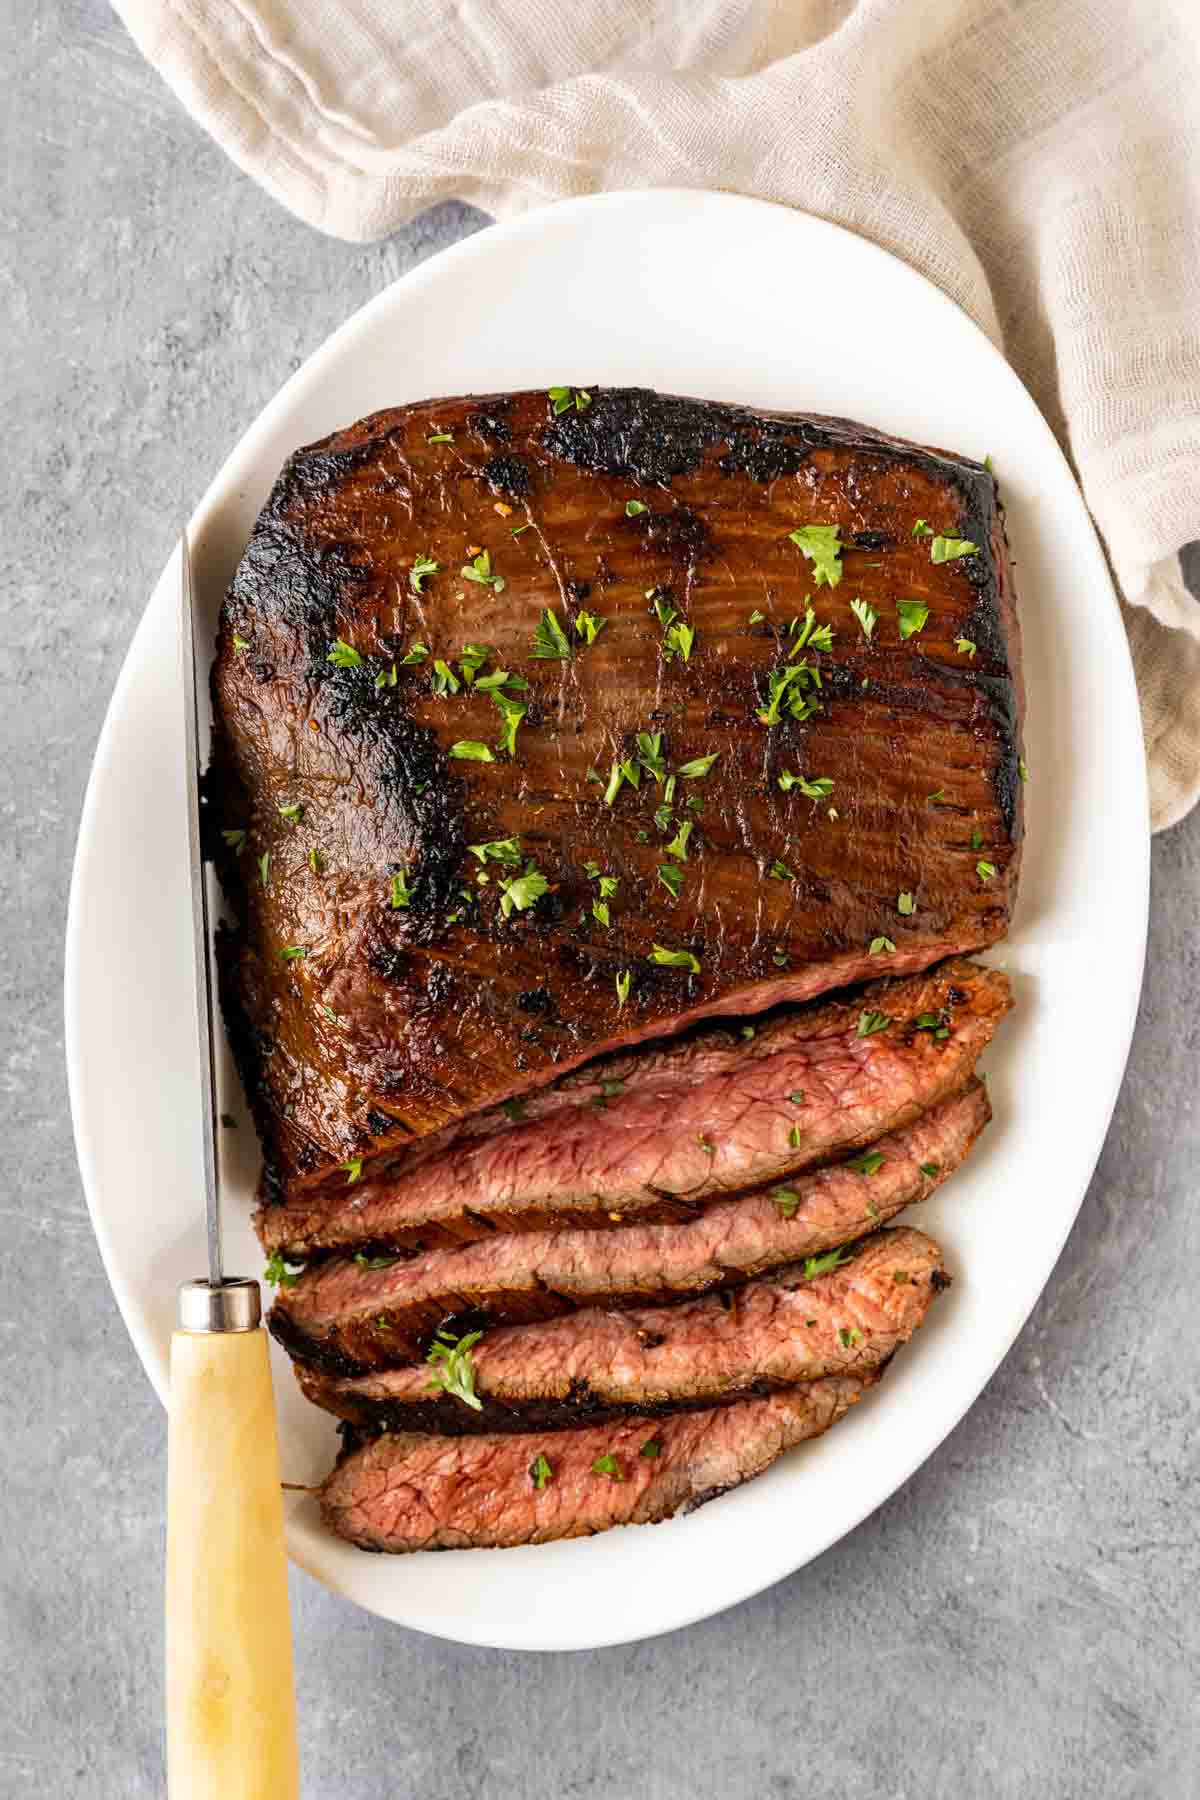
(408, 1492)
(436, 739)
(805, 1322)
(346, 1316)
(652, 1134)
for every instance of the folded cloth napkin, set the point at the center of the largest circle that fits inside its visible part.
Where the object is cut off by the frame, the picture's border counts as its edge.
(1038, 159)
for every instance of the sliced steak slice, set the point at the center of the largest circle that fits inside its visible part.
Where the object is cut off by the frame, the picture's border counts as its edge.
(652, 1135)
(671, 543)
(346, 1316)
(411, 1492)
(800, 1324)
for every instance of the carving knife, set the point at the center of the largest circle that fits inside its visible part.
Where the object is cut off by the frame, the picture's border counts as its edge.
(231, 1709)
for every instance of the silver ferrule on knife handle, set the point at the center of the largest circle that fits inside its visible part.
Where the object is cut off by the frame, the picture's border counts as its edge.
(234, 1306)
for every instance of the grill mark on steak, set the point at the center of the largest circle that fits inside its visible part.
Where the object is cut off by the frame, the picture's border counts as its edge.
(330, 557)
(683, 1125)
(406, 1492)
(593, 1366)
(344, 1318)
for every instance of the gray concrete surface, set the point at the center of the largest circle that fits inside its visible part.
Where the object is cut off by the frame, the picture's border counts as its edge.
(1020, 1621)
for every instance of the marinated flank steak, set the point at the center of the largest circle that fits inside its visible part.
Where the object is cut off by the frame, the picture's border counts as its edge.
(350, 1314)
(409, 1492)
(653, 1134)
(845, 1313)
(548, 725)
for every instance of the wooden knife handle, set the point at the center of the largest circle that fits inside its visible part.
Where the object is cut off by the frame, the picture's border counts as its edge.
(231, 1704)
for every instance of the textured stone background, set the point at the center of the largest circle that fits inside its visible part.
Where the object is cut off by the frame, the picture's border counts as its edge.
(1021, 1620)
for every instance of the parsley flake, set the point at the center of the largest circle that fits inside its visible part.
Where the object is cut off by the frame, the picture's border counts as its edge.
(264, 867)
(541, 1471)
(623, 981)
(932, 1170)
(387, 677)
(779, 871)
(820, 545)
(826, 1264)
(906, 904)
(453, 1369)
(520, 891)
(850, 1335)
(922, 528)
(698, 768)
(881, 946)
(469, 750)
(986, 871)
(480, 570)
(913, 616)
(678, 640)
(415, 654)
(353, 1170)
(236, 839)
(866, 615)
(421, 569)
(649, 754)
(401, 892)
(871, 1022)
(240, 643)
(1022, 769)
(293, 813)
(869, 1163)
(633, 508)
(608, 1465)
(679, 843)
(564, 398)
(675, 959)
(293, 952)
(948, 549)
(965, 647)
(589, 625)
(281, 1273)
(672, 879)
(651, 1447)
(787, 1200)
(444, 681)
(819, 788)
(440, 437)
(344, 655)
(501, 850)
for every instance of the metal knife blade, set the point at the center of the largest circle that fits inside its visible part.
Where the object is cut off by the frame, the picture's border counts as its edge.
(191, 663)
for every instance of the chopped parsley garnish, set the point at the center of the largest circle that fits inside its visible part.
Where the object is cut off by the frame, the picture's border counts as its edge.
(236, 839)
(281, 1273)
(756, 617)
(293, 813)
(678, 640)
(520, 891)
(344, 655)
(353, 1170)
(444, 681)
(977, 839)
(795, 1137)
(608, 1465)
(649, 754)
(662, 817)
(679, 843)
(698, 768)
(294, 952)
(797, 1097)
(623, 981)
(651, 1447)
(240, 643)
(913, 616)
(500, 678)
(922, 528)
(620, 772)
(372, 1263)
(387, 677)
(453, 1369)
(416, 653)
(871, 1022)
(672, 879)
(470, 750)
(932, 1170)
(440, 437)
(748, 1031)
(906, 904)
(663, 611)
(421, 569)
(1022, 769)
(635, 507)
(935, 1022)
(511, 713)
(818, 789)
(826, 1264)
(779, 871)
(264, 867)
(850, 1335)
(550, 641)
(866, 615)
(564, 398)
(401, 892)
(518, 529)
(779, 681)
(708, 1148)
(987, 463)
(965, 646)
(820, 545)
(675, 959)
(809, 634)
(480, 570)
(229, 1122)
(932, 799)
(787, 1200)
(541, 1470)
(600, 912)
(986, 871)
(501, 850)
(589, 625)
(947, 549)
(881, 946)
(472, 658)
(869, 1163)
(608, 886)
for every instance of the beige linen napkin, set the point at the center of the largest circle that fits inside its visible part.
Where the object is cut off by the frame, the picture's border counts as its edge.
(1038, 159)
